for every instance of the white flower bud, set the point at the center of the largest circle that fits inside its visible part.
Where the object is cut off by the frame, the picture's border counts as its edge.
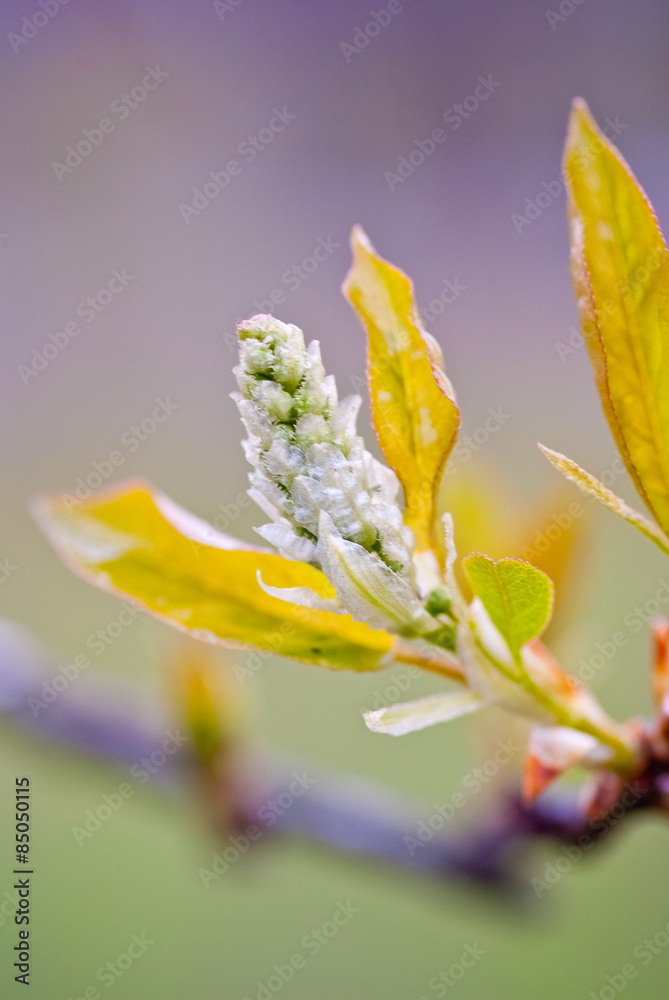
(331, 503)
(306, 454)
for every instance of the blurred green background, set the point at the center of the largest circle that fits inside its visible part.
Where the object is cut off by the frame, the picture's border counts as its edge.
(229, 66)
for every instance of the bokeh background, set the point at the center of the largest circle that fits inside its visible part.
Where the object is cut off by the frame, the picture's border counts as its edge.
(227, 69)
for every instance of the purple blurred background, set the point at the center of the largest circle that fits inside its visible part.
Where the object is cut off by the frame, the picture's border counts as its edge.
(324, 109)
(322, 106)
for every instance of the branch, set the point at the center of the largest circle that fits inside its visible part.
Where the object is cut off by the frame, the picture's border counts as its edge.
(345, 814)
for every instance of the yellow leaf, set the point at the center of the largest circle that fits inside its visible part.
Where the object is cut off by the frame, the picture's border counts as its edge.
(136, 542)
(413, 405)
(620, 268)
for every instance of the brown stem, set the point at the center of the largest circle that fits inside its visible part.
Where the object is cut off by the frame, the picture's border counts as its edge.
(435, 661)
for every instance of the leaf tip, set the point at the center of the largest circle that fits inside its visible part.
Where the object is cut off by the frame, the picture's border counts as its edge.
(549, 453)
(359, 237)
(373, 720)
(580, 119)
(582, 132)
(579, 108)
(360, 243)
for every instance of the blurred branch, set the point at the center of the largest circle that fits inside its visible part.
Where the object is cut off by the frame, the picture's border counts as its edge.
(345, 813)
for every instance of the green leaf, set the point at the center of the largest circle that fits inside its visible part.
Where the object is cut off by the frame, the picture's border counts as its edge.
(135, 542)
(413, 405)
(518, 597)
(620, 269)
(589, 484)
(398, 720)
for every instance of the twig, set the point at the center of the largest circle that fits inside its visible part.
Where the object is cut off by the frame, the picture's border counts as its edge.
(345, 814)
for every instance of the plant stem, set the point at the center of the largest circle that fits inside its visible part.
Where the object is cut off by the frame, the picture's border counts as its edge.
(625, 755)
(435, 661)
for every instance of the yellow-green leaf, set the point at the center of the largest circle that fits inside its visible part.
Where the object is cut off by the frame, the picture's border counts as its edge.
(413, 405)
(589, 484)
(136, 542)
(208, 700)
(518, 597)
(547, 532)
(620, 269)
